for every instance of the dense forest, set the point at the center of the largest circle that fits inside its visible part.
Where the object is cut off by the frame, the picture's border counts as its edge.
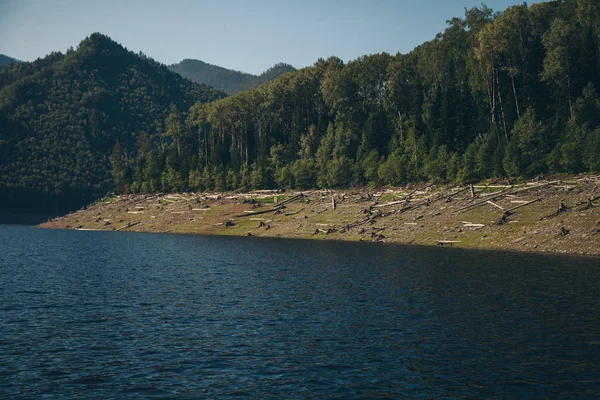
(509, 94)
(5, 60)
(227, 80)
(60, 117)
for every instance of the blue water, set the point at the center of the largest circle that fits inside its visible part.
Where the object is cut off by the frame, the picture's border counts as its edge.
(124, 315)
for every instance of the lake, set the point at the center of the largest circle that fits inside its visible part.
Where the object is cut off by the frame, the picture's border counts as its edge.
(127, 315)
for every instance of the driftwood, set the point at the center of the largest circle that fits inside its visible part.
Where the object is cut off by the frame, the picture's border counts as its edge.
(505, 193)
(392, 203)
(469, 225)
(450, 196)
(482, 202)
(395, 202)
(293, 198)
(510, 210)
(495, 205)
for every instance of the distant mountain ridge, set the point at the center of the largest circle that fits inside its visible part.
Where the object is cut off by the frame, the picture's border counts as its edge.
(227, 80)
(5, 60)
(62, 115)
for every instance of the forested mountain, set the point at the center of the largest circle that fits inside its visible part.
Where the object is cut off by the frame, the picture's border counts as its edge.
(509, 94)
(5, 60)
(224, 79)
(61, 116)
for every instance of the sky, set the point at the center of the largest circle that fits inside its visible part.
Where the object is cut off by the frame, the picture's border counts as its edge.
(245, 35)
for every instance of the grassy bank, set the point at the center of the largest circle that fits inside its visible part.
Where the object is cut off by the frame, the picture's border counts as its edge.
(494, 215)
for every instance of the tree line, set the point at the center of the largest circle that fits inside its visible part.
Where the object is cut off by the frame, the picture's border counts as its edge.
(509, 94)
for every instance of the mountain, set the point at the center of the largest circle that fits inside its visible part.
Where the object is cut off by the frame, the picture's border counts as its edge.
(224, 79)
(61, 117)
(5, 60)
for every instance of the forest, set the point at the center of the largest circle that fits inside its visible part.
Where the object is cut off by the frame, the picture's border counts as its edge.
(61, 115)
(511, 94)
(507, 95)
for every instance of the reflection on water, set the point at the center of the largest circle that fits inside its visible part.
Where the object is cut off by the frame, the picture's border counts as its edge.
(124, 315)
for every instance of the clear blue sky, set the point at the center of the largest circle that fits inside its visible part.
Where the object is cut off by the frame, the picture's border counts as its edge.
(246, 35)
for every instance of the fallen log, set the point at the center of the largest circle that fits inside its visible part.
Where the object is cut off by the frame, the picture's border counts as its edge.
(293, 198)
(510, 210)
(248, 214)
(473, 225)
(492, 186)
(458, 192)
(392, 203)
(479, 203)
(495, 205)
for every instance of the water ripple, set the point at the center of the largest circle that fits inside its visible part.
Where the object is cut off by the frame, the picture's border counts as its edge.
(113, 316)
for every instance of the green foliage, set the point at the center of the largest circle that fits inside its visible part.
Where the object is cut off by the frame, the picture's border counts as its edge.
(530, 145)
(494, 95)
(61, 116)
(509, 94)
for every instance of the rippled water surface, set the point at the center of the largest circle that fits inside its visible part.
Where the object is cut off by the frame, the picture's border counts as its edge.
(125, 315)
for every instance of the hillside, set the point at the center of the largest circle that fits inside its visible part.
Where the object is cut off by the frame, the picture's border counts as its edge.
(224, 79)
(511, 94)
(5, 60)
(61, 117)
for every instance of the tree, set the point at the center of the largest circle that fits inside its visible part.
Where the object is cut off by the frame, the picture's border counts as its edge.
(174, 127)
(558, 61)
(121, 170)
(528, 146)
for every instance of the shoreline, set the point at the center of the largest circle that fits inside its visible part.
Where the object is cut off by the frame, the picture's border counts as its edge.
(522, 217)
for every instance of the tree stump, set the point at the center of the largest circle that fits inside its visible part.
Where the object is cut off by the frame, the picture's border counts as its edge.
(561, 208)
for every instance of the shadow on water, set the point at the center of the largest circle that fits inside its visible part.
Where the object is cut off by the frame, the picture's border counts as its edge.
(16, 218)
